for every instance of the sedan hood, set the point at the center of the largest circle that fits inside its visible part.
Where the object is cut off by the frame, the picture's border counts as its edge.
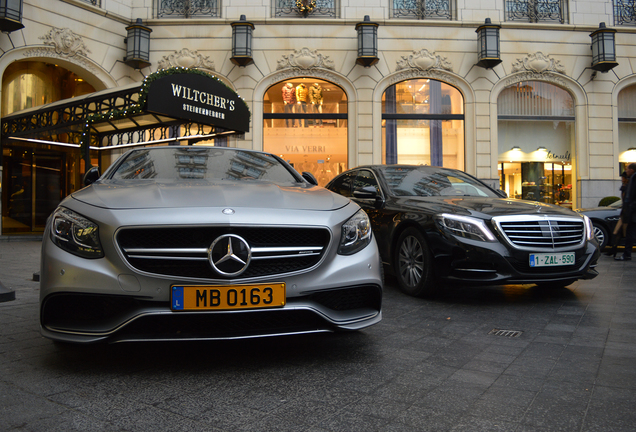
(122, 194)
(485, 208)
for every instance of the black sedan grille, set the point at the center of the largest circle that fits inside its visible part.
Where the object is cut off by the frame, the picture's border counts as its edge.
(183, 251)
(536, 233)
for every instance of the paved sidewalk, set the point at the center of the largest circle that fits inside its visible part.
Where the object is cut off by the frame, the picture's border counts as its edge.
(430, 365)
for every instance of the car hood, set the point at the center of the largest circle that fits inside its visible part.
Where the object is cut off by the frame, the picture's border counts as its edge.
(484, 208)
(135, 194)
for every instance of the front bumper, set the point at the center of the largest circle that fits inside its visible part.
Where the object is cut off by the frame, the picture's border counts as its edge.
(482, 263)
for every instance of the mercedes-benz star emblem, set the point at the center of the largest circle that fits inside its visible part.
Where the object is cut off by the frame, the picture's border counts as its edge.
(228, 211)
(229, 255)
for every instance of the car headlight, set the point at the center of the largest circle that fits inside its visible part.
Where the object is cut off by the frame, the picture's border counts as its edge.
(464, 226)
(75, 234)
(356, 233)
(589, 228)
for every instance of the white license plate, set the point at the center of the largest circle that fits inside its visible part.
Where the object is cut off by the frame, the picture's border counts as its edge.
(555, 259)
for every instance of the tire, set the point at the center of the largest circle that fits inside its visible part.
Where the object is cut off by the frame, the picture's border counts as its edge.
(602, 235)
(413, 266)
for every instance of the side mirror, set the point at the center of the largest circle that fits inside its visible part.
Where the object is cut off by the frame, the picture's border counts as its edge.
(501, 193)
(91, 176)
(366, 192)
(309, 177)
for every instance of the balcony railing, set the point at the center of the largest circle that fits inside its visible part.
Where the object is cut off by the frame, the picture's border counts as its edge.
(535, 11)
(423, 9)
(188, 9)
(305, 8)
(624, 12)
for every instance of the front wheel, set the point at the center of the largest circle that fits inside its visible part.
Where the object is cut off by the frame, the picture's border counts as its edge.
(413, 264)
(602, 236)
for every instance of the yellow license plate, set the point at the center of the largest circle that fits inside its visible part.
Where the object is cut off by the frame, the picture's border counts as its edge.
(227, 297)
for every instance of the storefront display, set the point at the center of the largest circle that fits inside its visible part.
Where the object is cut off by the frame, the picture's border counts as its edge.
(305, 123)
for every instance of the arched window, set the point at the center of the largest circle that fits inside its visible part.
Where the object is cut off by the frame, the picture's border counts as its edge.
(536, 137)
(305, 123)
(423, 123)
(626, 127)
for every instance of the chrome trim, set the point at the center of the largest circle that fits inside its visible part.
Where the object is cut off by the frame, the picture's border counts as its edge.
(573, 237)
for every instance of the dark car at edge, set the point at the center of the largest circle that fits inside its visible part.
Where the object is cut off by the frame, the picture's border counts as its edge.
(436, 225)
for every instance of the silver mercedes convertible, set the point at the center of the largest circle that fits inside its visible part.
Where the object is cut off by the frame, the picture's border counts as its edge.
(205, 243)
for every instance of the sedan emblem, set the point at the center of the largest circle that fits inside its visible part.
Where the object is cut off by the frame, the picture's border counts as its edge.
(228, 211)
(229, 255)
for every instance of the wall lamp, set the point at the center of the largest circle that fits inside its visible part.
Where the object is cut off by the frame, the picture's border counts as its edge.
(10, 15)
(367, 42)
(515, 148)
(488, 45)
(242, 42)
(137, 45)
(603, 49)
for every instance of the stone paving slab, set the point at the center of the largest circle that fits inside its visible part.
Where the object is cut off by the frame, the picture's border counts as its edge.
(431, 365)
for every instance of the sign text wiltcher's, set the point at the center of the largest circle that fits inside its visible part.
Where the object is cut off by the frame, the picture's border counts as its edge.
(200, 99)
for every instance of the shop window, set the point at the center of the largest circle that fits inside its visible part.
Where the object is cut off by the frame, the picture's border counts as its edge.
(536, 137)
(423, 123)
(626, 127)
(305, 123)
(29, 84)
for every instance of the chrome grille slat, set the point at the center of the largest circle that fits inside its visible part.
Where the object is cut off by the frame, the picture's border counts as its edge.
(534, 232)
(183, 251)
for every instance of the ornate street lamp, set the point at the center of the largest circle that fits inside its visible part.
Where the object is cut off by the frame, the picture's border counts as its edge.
(603, 49)
(137, 45)
(10, 15)
(488, 45)
(367, 42)
(242, 42)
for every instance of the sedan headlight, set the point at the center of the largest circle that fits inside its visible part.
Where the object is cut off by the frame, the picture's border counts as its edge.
(464, 226)
(356, 233)
(75, 234)
(589, 228)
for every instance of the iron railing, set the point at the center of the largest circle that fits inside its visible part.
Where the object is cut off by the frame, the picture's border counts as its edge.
(188, 9)
(536, 10)
(422, 9)
(305, 8)
(624, 12)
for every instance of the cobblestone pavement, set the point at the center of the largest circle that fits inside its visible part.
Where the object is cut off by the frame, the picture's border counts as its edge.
(430, 365)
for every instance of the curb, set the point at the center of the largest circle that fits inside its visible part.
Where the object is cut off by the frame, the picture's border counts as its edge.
(6, 294)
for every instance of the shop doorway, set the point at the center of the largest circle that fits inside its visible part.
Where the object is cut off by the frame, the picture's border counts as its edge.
(33, 185)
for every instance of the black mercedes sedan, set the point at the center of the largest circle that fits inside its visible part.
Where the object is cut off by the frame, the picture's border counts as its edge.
(437, 225)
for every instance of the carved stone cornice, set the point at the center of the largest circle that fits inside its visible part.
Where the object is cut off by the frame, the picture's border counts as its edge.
(436, 74)
(424, 61)
(187, 59)
(538, 63)
(49, 52)
(65, 43)
(305, 59)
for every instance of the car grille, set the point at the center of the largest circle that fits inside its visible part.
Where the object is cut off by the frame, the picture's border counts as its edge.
(537, 232)
(183, 251)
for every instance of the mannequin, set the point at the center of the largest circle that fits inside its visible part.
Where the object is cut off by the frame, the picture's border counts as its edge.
(289, 100)
(302, 94)
(315, 96)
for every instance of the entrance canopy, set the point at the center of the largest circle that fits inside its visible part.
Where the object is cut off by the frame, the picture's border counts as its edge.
(176, 104)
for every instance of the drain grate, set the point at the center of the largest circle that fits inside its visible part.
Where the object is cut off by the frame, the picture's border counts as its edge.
(505, 333)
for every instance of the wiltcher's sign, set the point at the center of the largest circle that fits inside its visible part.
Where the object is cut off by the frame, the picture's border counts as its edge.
(200, 98)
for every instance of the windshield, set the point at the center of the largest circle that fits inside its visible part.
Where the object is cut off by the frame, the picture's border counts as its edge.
(432, 181)
(201, 163)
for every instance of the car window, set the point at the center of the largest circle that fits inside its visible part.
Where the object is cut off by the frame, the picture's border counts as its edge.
(201, 163)
(365, 178)
(342, 185)
(430, 181)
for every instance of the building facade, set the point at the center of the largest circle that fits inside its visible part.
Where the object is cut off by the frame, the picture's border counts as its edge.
(541, 124)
